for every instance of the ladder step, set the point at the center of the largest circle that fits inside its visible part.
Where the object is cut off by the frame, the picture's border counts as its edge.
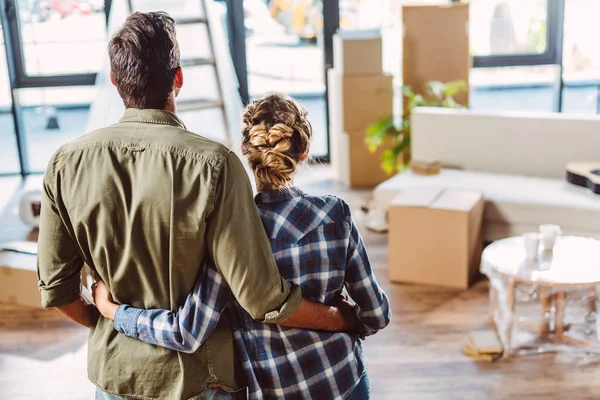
(198, 104)
(194, 62)
(190, 20)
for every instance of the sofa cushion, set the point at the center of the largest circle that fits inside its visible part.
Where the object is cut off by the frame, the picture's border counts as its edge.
(514, 204)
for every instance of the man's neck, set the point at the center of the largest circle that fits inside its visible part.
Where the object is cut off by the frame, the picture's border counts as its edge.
(171, 106)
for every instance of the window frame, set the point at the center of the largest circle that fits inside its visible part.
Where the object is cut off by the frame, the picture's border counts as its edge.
(19, 79)
(552, 56)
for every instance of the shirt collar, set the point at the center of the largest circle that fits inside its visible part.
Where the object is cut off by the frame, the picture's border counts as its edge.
(274, 196)
(151, 116)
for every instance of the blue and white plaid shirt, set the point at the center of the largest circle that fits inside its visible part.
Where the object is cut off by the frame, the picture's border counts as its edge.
(316, 246)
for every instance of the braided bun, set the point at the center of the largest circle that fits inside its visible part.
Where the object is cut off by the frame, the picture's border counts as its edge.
(276, 137)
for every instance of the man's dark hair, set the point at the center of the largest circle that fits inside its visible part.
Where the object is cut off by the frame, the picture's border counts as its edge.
(144, 57)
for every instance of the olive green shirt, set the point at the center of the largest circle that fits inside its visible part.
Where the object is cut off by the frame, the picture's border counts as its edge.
(146, 203)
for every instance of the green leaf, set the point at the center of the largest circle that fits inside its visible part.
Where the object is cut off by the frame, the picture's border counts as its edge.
(436, 88)
(408, 92)
(436, 94)
(389, 160)
(453, 88)
(377, 133)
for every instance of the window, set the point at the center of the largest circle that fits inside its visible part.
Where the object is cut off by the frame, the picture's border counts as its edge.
(523, 88)
(62, 37)
(284, 50)
(56, 48)
(8, 143)
(508, 27)
(52, 117)
(581, 63)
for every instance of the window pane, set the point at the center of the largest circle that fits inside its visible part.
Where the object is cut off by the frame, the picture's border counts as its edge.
(581, 50)
(52, 117)
(530, 88)
(175, 8)
(62, 36)
(581, 58)
(8, 141)
(581, 98)
(502, 27)
(284, 50)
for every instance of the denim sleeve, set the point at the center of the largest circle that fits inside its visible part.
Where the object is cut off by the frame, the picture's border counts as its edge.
(186, 329)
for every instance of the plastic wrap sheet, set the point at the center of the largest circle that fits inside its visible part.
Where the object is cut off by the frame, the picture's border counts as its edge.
(533, 318)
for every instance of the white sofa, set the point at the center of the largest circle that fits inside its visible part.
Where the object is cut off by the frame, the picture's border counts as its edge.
(517, 160)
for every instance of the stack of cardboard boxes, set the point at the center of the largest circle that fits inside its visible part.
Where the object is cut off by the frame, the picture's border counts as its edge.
(360, 94)
(434, 233)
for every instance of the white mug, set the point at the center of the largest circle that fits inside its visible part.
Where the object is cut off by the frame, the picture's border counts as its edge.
(531, 241)
(549, 233)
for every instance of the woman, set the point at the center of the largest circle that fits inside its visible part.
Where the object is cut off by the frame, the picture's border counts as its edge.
(316, 246)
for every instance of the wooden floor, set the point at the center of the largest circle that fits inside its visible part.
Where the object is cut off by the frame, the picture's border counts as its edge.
(418, 356)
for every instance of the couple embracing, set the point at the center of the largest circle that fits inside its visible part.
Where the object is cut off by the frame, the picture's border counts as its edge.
(203, 292)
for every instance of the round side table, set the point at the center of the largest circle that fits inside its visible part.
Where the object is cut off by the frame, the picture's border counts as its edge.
(573, 264)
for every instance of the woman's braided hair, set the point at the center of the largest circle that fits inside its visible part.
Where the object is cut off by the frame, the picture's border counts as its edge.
(276, 136)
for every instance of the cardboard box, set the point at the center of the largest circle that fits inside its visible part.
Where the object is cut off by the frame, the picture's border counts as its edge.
(354, 165)
(358, 101)
(426, 168)
(435, 237)
(358, 52)
(335, 107)
(18, 279)
(18, 275)
(435, 46)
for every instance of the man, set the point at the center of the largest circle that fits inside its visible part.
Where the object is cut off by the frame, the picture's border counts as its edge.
(146, 203)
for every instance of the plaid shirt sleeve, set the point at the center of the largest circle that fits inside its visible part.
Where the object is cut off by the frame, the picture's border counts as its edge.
(373, 306)
(187, 328)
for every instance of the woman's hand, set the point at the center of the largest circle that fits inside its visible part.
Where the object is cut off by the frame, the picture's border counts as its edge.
(103, 298)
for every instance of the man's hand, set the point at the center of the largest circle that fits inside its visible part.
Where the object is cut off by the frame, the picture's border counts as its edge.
(311, 315)
(103, 298)
(346, 308)
(80, 311)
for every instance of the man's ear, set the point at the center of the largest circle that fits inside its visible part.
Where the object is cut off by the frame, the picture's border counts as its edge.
(178, 81)
(304, 156)
(112, 78)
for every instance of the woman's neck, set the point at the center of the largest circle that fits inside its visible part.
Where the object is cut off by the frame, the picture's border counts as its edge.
(261, 187)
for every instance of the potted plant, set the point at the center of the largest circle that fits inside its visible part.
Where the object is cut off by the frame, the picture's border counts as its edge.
(396, 158)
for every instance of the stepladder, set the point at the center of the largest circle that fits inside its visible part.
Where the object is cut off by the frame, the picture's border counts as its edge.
(217, 101)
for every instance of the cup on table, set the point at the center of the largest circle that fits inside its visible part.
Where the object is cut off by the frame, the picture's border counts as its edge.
(531, 241)
(549, 233)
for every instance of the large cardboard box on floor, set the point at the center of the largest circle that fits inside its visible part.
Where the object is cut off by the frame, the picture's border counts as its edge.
(358, 101)
(435, 237)
(358, 52)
